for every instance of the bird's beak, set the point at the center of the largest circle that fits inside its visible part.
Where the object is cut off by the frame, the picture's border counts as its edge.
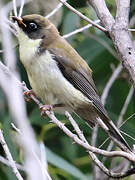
(19, 20)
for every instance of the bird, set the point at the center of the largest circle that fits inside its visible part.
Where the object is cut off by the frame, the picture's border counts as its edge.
(58, 75)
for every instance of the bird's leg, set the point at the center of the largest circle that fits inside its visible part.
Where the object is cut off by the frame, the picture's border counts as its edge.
(27, 95)
(48, 107)
(45, 108)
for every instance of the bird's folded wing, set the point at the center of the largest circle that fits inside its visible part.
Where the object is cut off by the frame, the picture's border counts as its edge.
(78, 78)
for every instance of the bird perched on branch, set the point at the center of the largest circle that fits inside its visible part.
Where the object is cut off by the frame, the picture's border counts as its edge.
(58, 75)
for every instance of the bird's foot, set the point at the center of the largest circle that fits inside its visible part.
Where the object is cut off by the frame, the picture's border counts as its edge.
(27, 95)
(45, 108)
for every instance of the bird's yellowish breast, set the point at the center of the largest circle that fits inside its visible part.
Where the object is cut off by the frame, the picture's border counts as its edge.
(45, 76)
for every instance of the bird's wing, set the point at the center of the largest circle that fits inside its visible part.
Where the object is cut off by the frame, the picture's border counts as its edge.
(80, 80)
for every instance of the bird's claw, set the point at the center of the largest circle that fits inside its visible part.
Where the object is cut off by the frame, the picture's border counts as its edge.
(27, 95)
(45, 108)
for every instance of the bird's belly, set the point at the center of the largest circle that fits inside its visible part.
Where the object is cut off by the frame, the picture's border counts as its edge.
(43, 87)
(51, 86)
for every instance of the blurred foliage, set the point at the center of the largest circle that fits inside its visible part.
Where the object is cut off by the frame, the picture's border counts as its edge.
(68, 161)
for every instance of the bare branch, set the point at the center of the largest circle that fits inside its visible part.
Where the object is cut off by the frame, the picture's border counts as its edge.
(61, 125)
(119, 122)
(9, 157)
(79, 30)
(55, 10)
(94, 135)
(17, 107)
(15, 7)
(132, 30)
(132, 115)
(94, 158)
(21, 8)
(84, 143)
(6, 162)
(83, 17)
(103, 100)
(15, 128)
(128, 156)
(118, 31)
(125, 106)
(1, 51)
(88, 147)
(110, 82)
(103, 13)
(44, 161)
(76, 127)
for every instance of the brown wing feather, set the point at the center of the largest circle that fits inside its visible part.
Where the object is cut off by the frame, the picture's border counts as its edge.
(80, 81)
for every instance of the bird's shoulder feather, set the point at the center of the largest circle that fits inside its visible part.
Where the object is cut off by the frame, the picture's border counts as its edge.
(77, 72)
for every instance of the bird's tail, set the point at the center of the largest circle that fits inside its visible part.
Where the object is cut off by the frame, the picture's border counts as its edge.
(115, 134)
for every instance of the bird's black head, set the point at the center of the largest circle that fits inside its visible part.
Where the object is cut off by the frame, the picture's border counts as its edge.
(35, 26)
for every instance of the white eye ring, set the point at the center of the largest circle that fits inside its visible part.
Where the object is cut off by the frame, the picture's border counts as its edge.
(32, 26)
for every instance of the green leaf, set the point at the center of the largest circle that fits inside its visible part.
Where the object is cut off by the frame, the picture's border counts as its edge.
(71, 22)
(9, 174)
(63, 164)
(89, 49)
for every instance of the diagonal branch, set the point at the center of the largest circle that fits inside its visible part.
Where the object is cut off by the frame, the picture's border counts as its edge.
(9, 157)
(103, 13)
(55, 10)
(83, 16)
(79, 30)
(118, 32)
(110, 83)
(129, 156)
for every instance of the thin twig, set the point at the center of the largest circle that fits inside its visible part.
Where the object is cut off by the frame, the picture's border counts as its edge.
(79, 30)
(44, 171)
(97, 163)
(129, 156)
(94, 135)
(127, 119)
(55, 10)
(1, 51)
(43, 161)
(15, 7)
(74, 137)
(131, 30)
(9, 157)
(76, 127)
(103, 13)
(105, 94)
(17, 108)
(7, 163)
(125, 106)
(21, 8)
(119, 122)
(127, 135)
(15, 128)
(118, 31)
(83, 16)
(85, 145)
(6, 70)
(110, 82)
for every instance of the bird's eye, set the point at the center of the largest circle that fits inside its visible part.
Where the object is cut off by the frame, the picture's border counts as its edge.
(33, 26)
